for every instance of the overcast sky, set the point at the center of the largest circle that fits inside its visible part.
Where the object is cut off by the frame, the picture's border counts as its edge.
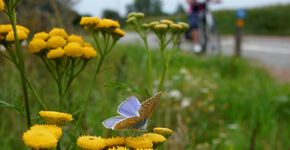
(96, 7)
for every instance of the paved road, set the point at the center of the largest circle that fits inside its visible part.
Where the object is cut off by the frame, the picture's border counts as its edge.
(270, 51)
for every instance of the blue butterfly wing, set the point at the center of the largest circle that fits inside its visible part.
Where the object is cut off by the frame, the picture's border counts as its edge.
(130, 107)
(111, 122)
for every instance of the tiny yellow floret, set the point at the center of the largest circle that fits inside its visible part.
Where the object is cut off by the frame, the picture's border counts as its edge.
(73, 49)
(36, 45)
(118, 148)
(56, 118)
(41, 35)
(20, 33)
(39, 139)
(55, 130)
(91, 143)
(56, 42)
(58, 32)
(55, 53)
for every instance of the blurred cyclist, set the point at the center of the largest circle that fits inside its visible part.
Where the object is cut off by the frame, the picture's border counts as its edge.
(195, 8)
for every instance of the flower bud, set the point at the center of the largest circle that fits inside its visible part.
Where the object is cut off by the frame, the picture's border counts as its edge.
(152, 24)
(145, 26)
(137, 15)
(132, 21)
(161, 28)
(168, 22)
(176, 28)
(184, 25)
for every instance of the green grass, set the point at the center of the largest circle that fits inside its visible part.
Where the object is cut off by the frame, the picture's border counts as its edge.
(228, 100)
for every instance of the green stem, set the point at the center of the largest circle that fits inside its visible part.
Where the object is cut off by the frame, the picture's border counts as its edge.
(12, 16)
(165, 65)
(149, 58)
(59, 86)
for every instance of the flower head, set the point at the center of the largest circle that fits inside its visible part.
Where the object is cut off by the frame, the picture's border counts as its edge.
(22, 35)
(137, 15)
(107, 24)
(39, 139)
(155, 138)
(91, 143)
(56, 118)
(176, 28)
(56, 42)
(152, 24)
(41, 35)
(161, 28)
(88, 52)
(5, 28)
(119, 32)
(73, 49)
(184, 25)
(2, 5)
(36, 45)
(55, 130)
(89, 21)
(115, 141)
(58, 32)
(138, 142)
(55, 53)
(163, 131)
(75, 38)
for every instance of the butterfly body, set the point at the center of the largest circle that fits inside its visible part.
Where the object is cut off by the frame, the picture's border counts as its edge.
(134, 116)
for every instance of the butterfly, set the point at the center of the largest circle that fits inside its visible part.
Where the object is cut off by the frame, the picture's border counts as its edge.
(134, 116)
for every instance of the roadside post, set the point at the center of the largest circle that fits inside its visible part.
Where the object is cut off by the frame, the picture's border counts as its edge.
(241, 15)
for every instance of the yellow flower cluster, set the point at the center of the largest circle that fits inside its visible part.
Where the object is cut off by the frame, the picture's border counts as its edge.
(144, 142)
(104, 25)
(2, 5)
(42, 136)
(56, 118)
(6, 32)
(167, 25)
(57, 44)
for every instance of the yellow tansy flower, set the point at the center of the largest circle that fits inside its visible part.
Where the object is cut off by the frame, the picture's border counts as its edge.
(41, 35)
(168, 22)
(152, 24)
(184, 25)
(118, 148)
(55, 53)
(56, 42)
(107, 24)
(163, 131)
(88, 52)
(85, 44)
(5, 28)
(20, 33)
(91, 143)
(36, 45)
(138, 142)
(55, 130)
(39, 139)
(87, 21)
(73, 49)
(75, 38)
(2, 5)
(56, 118)
(155, 138)
(58, 32)
(115, 141)
(119, 32)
